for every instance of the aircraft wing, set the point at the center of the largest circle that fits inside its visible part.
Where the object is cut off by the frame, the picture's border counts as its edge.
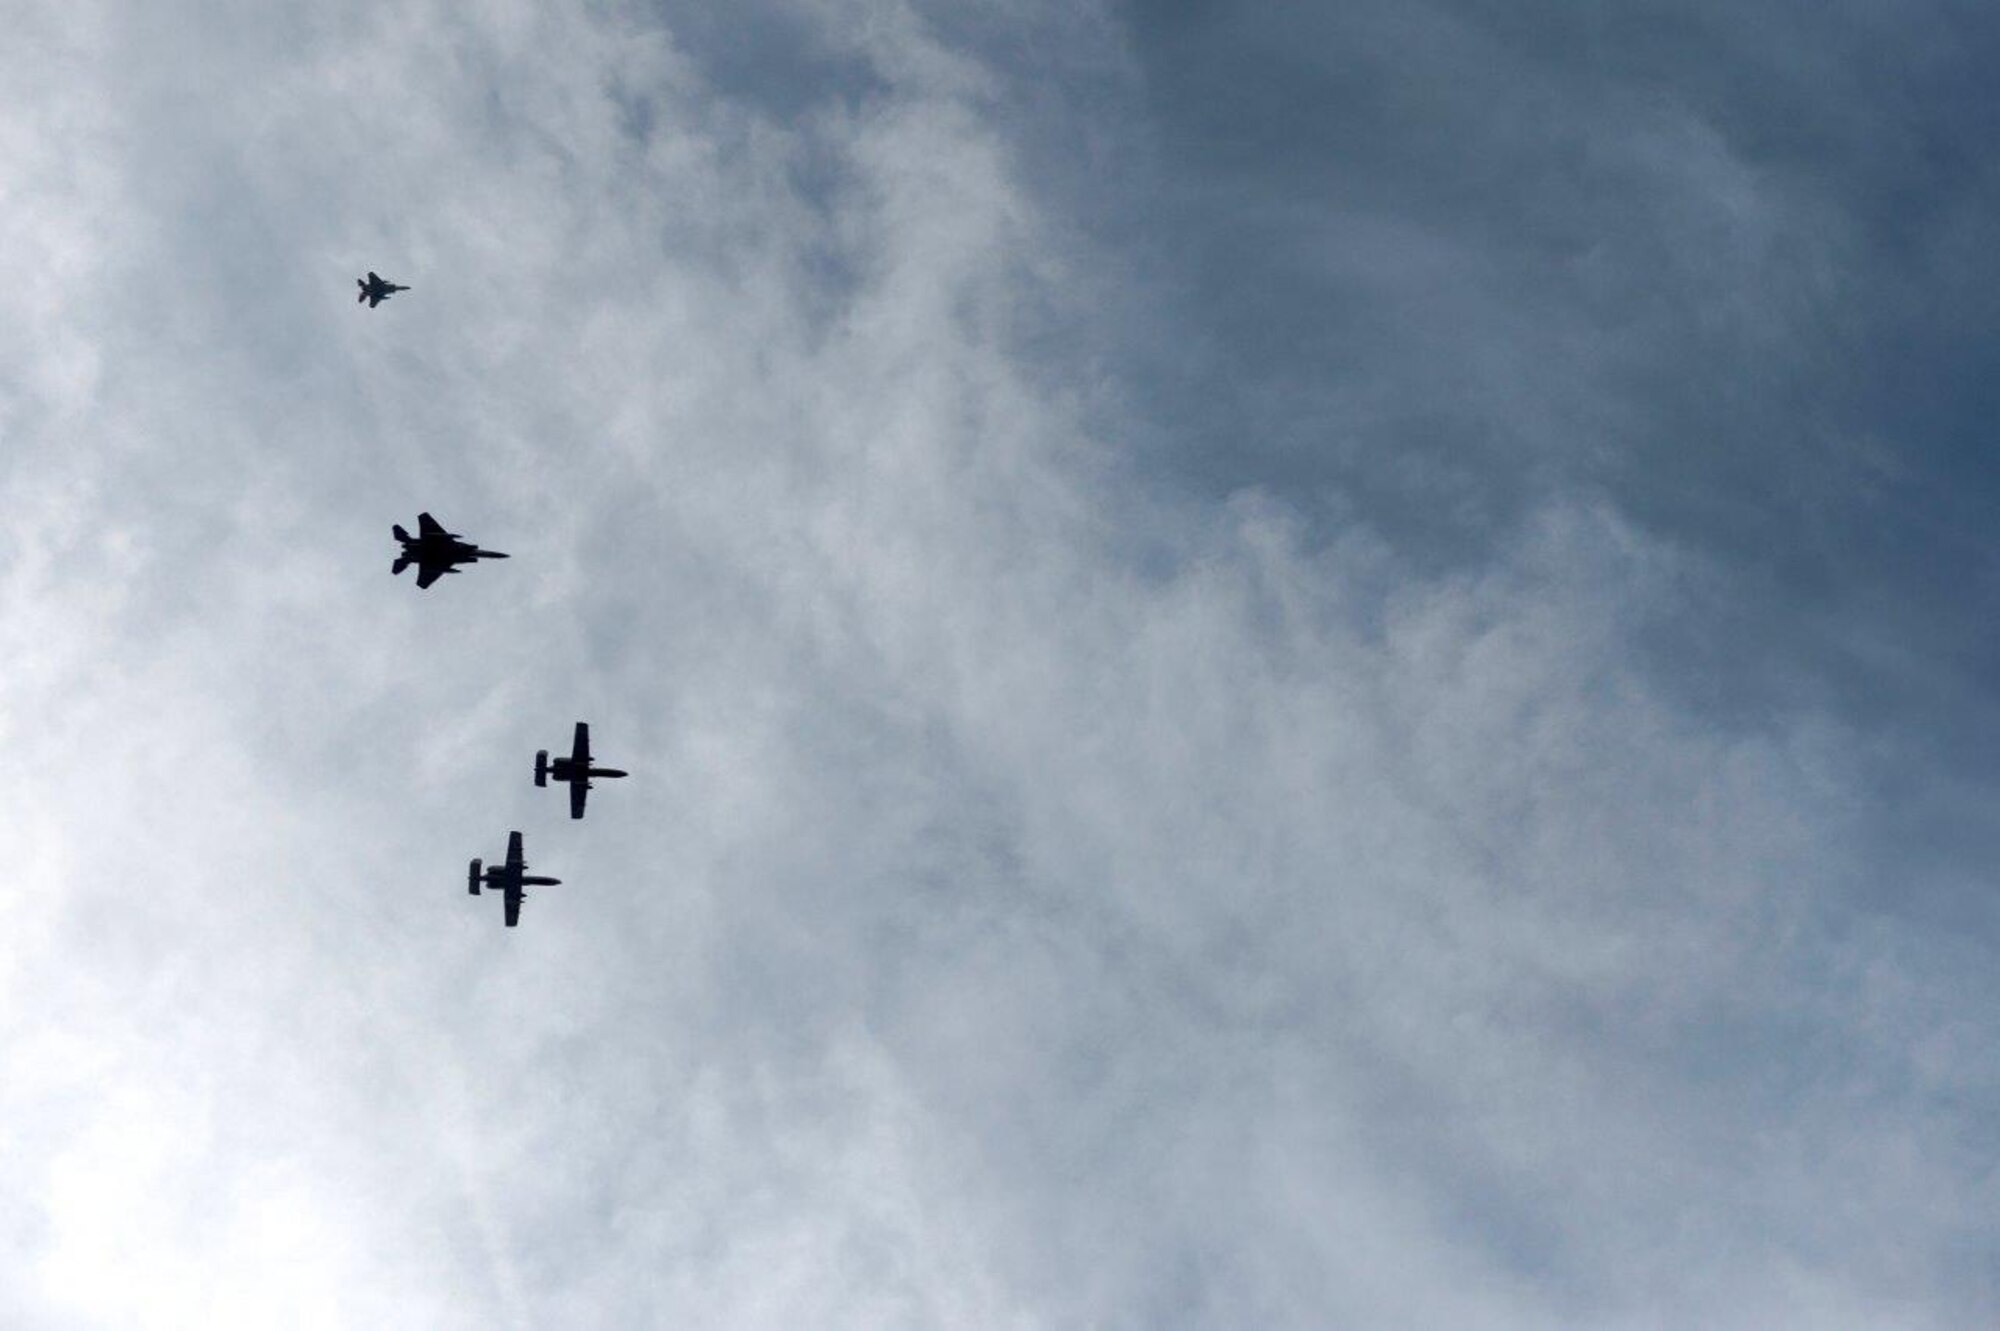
(579, 752)
(429, 526)
(429, 571)
(374, 298)
(514, 903)
(514, 859)
(373, 280)
(579, 788)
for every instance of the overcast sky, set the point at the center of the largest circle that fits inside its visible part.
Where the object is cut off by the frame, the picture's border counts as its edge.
(1284, 666)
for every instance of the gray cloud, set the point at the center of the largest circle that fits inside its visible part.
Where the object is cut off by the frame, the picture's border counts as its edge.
(1056, 888)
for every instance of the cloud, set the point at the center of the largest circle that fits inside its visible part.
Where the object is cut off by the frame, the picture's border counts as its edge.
(1051, 891)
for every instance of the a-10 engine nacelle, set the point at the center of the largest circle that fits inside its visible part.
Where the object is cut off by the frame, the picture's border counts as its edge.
(472, 878)
(541, 767)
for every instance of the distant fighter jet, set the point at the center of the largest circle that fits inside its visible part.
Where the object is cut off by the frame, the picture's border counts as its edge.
(435, 551)
(575, 769)
(375, 290)
(510, 878)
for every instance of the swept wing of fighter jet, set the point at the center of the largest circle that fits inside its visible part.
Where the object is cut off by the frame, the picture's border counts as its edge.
(435, 551)
(510, 878)
(374, 290)
(575, 769)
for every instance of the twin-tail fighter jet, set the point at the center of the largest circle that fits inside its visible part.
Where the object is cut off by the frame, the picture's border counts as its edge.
(575, 769)
(510, 878)
(436, 551)
(374, 290)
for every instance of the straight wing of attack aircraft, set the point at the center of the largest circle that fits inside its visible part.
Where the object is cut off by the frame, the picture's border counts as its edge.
(436, 551)
(375, 290)
(575, 769)
(510, 878)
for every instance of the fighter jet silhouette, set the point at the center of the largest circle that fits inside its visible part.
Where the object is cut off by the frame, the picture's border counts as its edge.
(435, 551)
(575, 769)
(375, 290)
(510, 878)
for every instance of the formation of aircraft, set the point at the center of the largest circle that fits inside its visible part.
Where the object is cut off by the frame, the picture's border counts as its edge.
(510, 878)
(435, 551)
(575, 769)
(375, 290)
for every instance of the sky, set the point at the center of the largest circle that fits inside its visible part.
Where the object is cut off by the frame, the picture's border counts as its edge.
(1283, 666)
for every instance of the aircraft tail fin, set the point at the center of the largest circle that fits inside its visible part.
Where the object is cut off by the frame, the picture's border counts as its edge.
(396, 569)
(401, 535)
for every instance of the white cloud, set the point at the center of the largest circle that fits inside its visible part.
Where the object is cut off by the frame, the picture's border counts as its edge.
(998, 929)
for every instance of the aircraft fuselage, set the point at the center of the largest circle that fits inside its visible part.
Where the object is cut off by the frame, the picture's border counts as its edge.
(563, 769)
(426, 551)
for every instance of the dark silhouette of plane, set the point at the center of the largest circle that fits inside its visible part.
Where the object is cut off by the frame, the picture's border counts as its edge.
(435, 551)
(375, 290)
(575, 769)
(510, 878)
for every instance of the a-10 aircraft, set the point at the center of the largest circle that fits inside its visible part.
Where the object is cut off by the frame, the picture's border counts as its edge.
(375, 290)
(575, 769)
(510, 878)
(435, 551)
